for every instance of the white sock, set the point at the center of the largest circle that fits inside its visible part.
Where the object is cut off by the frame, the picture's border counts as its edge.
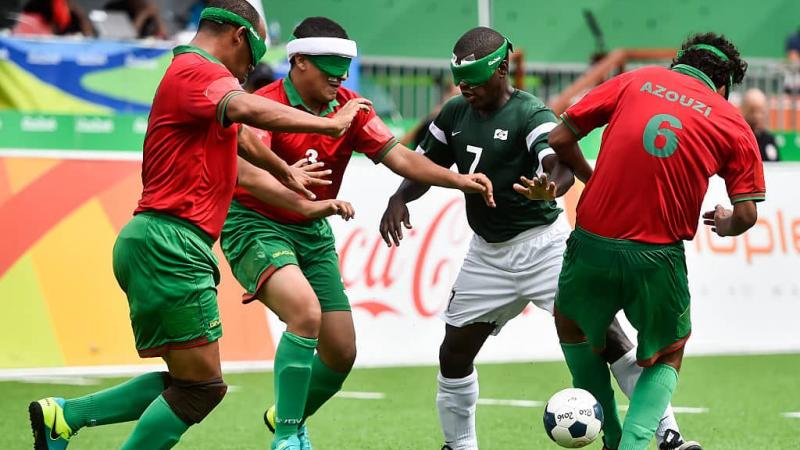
(627, 373)
(457, 399)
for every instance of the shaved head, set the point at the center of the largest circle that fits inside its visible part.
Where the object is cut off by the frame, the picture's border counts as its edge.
(754, 109)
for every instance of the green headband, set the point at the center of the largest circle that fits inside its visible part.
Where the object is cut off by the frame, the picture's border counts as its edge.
(258, 48)
(716, 52)
(480, 71)
(333, 65)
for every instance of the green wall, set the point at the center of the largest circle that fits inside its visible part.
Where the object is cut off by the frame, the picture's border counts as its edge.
(548, 31)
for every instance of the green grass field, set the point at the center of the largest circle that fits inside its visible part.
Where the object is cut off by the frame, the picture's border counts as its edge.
(745, 397)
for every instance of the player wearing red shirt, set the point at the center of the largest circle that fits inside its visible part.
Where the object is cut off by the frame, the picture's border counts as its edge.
(668, 132)
(288, 262)
(162, 258)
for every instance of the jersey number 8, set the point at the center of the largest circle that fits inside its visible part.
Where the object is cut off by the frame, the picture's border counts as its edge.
(658, 141)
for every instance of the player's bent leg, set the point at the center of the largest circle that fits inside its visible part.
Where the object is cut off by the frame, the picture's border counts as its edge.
(120, 403)
(196, 389)
(457, 394)
(288, 293)
(650, 397)
(589, 372)
(620, 353)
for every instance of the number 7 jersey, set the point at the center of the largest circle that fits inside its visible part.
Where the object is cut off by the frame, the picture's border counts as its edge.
(668, 132)
(509, 143)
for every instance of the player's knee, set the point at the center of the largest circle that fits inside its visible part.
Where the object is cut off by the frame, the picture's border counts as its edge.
(454, 363)
(345, 358)
(192, 401)
(305, 319)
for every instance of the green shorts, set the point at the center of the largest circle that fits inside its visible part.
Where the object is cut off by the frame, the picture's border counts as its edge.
(256, 247)
(600, 276)
(166, 268)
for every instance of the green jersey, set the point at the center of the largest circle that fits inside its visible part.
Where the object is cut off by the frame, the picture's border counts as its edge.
(509, 143)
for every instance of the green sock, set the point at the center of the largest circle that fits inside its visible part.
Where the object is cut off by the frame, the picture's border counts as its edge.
(650, 397)
(292, 373)
(590, 372)
(325, 382)
(158, 428)
(121, 403)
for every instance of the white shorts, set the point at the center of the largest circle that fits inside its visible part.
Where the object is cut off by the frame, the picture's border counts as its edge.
(497, 281)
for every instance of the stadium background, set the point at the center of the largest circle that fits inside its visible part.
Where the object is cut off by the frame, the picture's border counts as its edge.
(73, 116)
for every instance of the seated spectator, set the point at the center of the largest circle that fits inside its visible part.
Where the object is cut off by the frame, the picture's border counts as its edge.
(793, 47)
(261, 76)
(52, 17)
(754, 110)
(144, 15)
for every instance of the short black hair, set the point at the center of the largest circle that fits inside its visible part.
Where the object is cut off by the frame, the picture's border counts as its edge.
(239, 7)
(319, 27)
(479, 41)
(710, 64)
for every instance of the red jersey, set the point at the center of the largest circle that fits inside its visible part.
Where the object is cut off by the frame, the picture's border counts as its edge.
(189, 163)
(668, 133)
(367, 134)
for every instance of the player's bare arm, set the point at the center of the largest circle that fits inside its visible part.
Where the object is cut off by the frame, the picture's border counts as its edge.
(269, 190)
(266, 114)
(554, 182)
(726, 222)
(296, 177)
(409, 164)
(565, 143)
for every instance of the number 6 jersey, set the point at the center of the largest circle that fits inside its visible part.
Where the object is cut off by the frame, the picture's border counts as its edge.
(668, 133)
(509, 143)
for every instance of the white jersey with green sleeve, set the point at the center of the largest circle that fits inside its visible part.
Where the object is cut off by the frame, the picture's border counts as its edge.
(509, 143)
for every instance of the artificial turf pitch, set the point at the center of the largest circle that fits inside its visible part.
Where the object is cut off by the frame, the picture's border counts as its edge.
(733, 403)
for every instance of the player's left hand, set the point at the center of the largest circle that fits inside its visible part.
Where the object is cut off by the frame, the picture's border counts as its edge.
(302, 174)
(719, 220)
(539, 188)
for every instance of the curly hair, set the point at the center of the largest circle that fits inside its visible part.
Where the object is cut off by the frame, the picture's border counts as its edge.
(720, 72)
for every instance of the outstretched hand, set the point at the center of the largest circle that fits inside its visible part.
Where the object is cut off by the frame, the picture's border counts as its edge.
(539, 188)
(394, 219)
(478, 183)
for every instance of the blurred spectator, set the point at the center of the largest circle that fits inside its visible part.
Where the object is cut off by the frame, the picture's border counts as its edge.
(193, 14)
(144, 14)
(261, 76)
(754, 110)
(792, 81)
(793, 47)
(52, 17)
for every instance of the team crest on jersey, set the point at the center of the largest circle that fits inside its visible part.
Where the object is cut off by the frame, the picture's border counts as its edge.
(501, 134)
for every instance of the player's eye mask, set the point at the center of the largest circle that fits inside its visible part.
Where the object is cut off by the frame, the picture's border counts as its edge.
(258, 45)
(330, 55)
(476, 72)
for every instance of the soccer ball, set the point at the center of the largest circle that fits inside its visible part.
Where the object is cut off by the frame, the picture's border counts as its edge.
(573, 418)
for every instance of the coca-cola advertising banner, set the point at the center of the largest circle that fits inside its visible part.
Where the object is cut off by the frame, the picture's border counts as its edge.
(60, 217)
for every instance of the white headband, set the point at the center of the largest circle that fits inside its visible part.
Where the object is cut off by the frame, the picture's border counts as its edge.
(322, 46)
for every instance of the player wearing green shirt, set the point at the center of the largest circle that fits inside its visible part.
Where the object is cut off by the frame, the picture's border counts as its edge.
(515, 257)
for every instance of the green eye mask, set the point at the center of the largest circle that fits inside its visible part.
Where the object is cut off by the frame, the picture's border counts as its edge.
(333, 65)
(479, 71)
(258, 48)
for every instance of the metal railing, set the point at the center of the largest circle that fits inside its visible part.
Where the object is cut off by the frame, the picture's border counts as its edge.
(409, 88)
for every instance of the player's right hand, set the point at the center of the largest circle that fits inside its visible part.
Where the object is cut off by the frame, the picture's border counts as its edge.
(719, 220)
(344, 117)
(394, 219)
(478, 183)
(333, 207)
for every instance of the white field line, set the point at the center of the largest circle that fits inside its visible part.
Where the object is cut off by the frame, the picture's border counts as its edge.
(361, 395)
(71, 381)
(510, 402)
(791, 415)
(676, 409)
